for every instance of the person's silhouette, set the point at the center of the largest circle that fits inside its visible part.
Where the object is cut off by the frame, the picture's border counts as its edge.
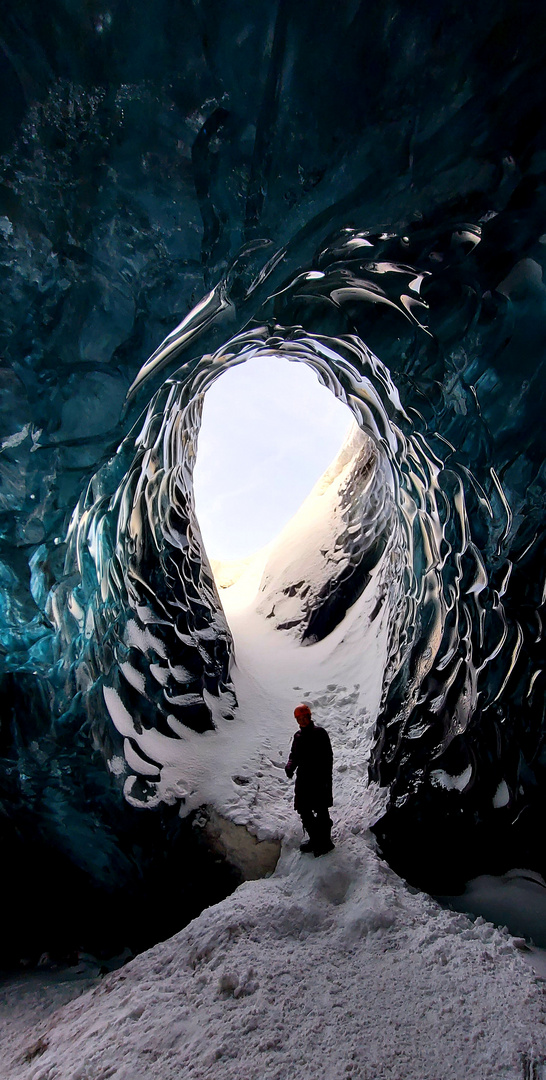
(311, 759)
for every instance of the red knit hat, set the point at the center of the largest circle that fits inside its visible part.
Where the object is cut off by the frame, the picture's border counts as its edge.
(301, 711)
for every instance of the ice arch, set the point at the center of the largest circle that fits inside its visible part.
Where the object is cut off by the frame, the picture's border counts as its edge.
(139, 624)
(139, 621)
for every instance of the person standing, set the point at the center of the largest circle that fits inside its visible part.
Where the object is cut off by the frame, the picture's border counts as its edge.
(311, 759)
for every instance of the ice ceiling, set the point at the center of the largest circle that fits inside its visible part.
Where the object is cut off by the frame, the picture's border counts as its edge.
(361, 190)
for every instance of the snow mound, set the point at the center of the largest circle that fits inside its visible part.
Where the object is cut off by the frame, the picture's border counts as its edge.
(332, 968)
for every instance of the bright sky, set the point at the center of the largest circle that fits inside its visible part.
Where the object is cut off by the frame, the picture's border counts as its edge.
(269, 431)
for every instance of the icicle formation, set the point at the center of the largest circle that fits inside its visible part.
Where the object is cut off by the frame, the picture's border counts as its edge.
(142, 615)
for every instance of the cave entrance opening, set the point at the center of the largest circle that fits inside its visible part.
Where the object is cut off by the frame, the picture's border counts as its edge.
(285, 469)
(269, 430)
(273, 448)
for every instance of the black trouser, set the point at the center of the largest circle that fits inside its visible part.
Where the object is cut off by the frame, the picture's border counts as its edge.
(317, 824)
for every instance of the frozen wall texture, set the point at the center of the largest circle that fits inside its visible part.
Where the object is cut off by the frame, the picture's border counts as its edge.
(360, 187)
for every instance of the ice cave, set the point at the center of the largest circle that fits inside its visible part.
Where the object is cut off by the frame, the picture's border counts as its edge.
(360, 189)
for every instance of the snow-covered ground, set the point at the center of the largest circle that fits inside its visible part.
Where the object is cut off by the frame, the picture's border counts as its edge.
(329, 968)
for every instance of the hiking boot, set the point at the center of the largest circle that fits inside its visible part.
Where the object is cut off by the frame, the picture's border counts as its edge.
(307, 847)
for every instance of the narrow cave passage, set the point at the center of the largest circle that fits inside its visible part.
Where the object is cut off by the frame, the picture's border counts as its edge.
(290, 496)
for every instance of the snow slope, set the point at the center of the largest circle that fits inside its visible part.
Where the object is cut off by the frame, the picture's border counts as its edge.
(330, 968)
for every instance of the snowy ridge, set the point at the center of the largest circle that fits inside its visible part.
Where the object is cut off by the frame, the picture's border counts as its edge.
(332, 968)
(322, 547)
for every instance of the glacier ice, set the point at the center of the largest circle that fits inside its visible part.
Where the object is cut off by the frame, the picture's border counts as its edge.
(384, 223)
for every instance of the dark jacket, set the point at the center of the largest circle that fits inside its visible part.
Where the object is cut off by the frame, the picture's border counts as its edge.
(311, 760)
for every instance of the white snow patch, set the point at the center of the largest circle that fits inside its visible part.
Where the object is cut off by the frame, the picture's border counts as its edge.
(19, 436)
(116, 765)
(144, 640)
(516, 899)
(134, 761)
(134, 678)
(452, 783)
(120, 716)
(501, 796)
(160, 673)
